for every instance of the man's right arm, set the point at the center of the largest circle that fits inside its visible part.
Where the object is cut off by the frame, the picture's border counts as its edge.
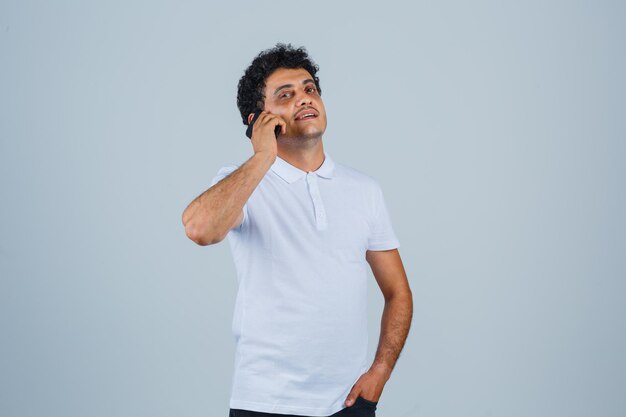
(210, 217)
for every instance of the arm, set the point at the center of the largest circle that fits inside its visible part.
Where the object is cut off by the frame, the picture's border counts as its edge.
(395, 323)
(398, 312)
(209, 217)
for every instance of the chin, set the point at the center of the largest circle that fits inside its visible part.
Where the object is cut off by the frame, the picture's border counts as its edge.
(312, 130)
(312, 133)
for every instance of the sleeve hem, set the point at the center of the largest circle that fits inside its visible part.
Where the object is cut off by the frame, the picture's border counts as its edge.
(388, 245)
(239, 228)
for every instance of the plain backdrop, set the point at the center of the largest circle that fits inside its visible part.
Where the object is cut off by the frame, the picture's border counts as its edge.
(496, 129)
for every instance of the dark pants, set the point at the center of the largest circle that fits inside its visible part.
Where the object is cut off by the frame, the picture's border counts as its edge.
(360, 408)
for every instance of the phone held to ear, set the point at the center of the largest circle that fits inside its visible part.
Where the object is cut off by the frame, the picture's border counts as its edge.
(256, 116)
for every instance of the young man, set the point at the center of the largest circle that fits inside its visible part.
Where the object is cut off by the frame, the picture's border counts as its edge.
(302, 229)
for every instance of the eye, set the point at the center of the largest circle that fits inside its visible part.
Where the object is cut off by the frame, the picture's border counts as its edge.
(312, 89)
(283, 95)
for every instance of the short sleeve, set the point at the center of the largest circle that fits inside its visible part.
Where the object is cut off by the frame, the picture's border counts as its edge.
(382, 236)
(223, 173)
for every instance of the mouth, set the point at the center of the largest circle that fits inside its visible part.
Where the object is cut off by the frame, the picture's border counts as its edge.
(308, 114)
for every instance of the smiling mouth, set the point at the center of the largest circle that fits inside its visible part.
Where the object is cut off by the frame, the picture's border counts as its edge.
(305, 117)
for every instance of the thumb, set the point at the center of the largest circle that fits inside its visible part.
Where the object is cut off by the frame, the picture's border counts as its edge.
(351, 397)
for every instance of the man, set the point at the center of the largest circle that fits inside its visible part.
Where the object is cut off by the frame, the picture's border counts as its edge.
(301, 228)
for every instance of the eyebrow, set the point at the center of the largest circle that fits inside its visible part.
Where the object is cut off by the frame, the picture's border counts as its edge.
(307, 81)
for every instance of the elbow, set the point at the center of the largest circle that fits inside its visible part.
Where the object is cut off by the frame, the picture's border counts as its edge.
(201, 238)
(402, 295)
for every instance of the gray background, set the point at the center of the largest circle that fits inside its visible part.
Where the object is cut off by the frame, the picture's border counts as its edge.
(495, 128)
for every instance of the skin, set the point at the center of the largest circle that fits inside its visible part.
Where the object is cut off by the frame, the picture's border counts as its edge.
(300, 144)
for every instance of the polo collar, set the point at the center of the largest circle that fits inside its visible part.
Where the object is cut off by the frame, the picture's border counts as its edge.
(291, 173)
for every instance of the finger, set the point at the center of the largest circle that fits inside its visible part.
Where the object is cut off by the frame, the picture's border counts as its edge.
(351, 398)
(282, 124)
(276, 121)
(266, 119)
(263, 117)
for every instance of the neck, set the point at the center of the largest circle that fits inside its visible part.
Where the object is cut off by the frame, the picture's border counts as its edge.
(306, 158)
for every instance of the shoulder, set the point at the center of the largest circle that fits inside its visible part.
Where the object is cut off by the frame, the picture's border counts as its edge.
(357, 177)
(223, 172)
(228, 168)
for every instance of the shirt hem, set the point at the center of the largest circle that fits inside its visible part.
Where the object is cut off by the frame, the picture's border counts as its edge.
(284, 409)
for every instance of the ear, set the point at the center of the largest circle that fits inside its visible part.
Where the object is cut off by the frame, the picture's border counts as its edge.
(250, 116)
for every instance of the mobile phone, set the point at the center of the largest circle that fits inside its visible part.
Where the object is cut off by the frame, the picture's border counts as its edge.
(256, 116)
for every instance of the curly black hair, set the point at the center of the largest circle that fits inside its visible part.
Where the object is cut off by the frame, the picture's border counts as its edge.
(251, 86)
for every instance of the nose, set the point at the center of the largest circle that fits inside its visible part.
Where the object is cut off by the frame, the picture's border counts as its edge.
(304, 99)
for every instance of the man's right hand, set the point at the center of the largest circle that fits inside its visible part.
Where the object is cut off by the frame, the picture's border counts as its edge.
(263, 136)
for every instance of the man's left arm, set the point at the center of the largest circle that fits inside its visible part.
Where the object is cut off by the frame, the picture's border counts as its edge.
(395, 323)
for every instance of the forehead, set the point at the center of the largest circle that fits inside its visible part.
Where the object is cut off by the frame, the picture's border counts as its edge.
(283, 76)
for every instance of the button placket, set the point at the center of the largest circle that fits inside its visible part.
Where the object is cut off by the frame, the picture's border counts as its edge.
(318, 204)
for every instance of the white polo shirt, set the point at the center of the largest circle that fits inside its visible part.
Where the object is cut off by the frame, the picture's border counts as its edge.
(300, 316)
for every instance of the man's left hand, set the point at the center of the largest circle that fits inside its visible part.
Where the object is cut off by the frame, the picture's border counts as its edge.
(369, 386)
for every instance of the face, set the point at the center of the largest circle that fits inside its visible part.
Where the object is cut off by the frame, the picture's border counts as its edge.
(291, 94)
